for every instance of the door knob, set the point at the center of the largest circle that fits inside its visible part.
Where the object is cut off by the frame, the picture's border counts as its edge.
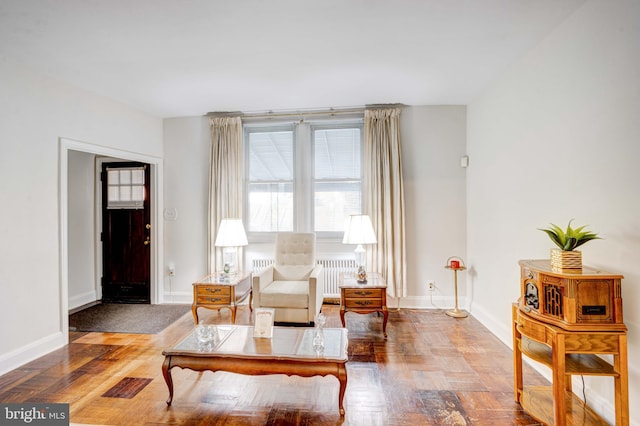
(147, 241)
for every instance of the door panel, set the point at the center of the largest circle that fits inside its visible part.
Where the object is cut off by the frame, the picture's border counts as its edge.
(126, 244)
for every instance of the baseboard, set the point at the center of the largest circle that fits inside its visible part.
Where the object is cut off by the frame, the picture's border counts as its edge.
(179, 297)
(425, 302)
(501, 330)
(18, 357)
(82, 299)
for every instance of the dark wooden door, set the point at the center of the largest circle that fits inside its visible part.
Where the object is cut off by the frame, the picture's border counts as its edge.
(126, 233)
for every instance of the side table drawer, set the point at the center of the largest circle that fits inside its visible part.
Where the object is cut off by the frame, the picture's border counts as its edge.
(531, 329)
(213, 290)
(213, 295)
(351, 293)
(363, 303)
(213, 300)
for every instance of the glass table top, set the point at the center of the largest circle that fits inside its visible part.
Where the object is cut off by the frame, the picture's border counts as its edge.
(287, 342)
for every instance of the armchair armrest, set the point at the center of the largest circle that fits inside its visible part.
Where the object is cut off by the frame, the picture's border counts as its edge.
(259, 282)
(316, 291)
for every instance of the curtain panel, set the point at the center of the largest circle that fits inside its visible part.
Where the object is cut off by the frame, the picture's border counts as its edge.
(384, 196)
(225, 181)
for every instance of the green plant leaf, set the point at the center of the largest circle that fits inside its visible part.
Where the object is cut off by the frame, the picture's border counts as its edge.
(570, 244)
(554, 237)
(586, 239)
(570, 238)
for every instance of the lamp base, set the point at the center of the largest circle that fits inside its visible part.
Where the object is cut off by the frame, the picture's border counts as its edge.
(362, 275)
(457, 313)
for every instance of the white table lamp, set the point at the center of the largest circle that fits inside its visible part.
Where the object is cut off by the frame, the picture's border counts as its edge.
(359, 230)
(230, 236)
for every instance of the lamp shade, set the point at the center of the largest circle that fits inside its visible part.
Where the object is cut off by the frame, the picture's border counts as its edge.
(359, 230)
(231, 234)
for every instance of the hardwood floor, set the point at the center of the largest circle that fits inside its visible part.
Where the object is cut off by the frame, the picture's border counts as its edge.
(431, 370)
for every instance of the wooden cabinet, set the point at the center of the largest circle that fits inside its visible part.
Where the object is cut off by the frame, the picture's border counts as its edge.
(364, 298)
(218, 291)
(567, 353)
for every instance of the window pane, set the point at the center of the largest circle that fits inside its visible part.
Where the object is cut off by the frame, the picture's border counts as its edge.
(113, 193)
(125, 177)
(112, 177)
(137, 193)
(125, 193)
(270, 207)
(337, 153)
(137, 177)
(271, 156)
(334, 201)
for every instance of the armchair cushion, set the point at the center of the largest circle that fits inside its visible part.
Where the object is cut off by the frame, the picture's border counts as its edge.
(286, 294)
(292, 273)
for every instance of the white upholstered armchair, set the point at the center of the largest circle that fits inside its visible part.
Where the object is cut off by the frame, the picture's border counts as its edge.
(294, 285)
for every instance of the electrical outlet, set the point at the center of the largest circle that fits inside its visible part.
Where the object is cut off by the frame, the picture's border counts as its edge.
(172, 270)
(431, 285)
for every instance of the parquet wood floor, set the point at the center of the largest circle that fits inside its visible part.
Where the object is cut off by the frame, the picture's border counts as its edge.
(431, 370)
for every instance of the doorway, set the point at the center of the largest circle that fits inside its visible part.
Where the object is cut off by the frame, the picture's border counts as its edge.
(88, 261)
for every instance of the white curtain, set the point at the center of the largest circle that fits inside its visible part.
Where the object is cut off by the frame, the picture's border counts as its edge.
(384, 196)
(225, 181)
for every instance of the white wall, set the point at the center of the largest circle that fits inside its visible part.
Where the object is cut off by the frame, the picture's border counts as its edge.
(35, 113)
(433, 139)
(557, 138)
(186, 142)
(81, 232)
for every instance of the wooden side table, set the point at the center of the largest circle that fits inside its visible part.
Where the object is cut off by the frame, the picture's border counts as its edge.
(363, 298)
(567, 353)
(217, 291)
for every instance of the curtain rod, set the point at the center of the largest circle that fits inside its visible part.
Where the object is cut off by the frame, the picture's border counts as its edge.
(301, 113)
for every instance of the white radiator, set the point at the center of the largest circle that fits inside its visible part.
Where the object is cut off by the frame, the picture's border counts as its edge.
(331, 268)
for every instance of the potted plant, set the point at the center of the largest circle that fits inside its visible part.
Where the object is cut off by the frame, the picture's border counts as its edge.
(566, 256)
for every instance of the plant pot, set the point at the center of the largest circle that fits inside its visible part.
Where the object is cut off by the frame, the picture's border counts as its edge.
(563, 260)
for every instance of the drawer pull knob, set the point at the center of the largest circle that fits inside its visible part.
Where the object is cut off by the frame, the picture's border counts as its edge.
(363, 293)
(213, 290)
(364, 302)
(215, 299)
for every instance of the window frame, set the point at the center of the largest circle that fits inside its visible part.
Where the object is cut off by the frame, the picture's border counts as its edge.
(303, 171)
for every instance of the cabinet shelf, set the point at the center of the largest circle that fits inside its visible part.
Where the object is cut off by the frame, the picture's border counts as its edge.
(538, 402)
(575, 364)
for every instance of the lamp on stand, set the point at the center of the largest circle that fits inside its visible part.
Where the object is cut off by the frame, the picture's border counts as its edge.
(359, 230)
(230, 236)
(456, 264)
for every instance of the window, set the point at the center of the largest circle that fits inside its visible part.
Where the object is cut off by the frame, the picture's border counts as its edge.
(125, 188)
(303, 176)
(337, 176)
(271, 180)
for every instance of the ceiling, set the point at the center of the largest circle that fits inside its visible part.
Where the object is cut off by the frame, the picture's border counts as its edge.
(174, 58)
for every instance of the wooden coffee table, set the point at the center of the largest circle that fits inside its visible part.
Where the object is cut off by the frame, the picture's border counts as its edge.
(289, 352)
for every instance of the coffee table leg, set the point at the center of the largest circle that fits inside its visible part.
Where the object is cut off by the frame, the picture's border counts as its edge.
(342, 377)
(194, 311)
(166, 372)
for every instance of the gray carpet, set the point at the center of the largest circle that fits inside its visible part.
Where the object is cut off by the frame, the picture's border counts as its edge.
(127, 318)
